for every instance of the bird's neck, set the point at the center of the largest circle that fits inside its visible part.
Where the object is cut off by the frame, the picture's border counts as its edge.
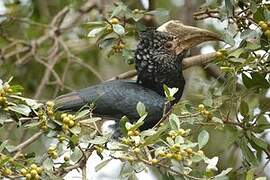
(159, 72)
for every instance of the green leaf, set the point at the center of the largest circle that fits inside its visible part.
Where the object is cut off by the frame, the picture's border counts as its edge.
(228, 38)
(128, 55)
(139, 123)
(102, 164)
(16, 88)
(244, 109)
(48, 164)
(174, 122)
(104, 43)
(248, 154)
(99, 140)
(259, 142)
(229, 8)
(76, 155)
(203, 138)
(3, 145)
(75, 130)
(118, 29)
(94, 32)
(21, 109)
(140, 108)
(224, 173)
(122, 125)
(250, 174)
(82, 114)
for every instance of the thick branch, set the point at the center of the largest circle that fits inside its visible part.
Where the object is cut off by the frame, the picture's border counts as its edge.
(27, 142)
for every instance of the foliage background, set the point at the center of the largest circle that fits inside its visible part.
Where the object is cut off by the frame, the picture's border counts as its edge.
(70, 60)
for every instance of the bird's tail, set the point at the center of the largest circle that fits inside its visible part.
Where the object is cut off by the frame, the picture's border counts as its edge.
(70, 101)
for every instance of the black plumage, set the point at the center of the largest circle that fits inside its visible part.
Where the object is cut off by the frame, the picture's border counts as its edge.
(114, 99)
(157, 63)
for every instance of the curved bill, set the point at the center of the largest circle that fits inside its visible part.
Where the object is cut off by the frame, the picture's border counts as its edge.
(187, 36)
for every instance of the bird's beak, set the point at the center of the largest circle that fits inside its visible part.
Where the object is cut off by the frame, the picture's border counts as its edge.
(187, 36)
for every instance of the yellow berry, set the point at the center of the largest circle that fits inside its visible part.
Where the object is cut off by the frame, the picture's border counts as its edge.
(65, 120)
(178, 157)
(181, 132)
(201, 106)
(200, 152)
(66, 158)
(71, 123)
(33, 172)
(130, 133)
(162, 154)
(121, 45)
(50, 103)
(36, 177)
(136, 11)
(54, 155)
(172, 133)
(189, 150)
(136, 133)
(61, 139)
(261, 23)
(50, 112)
(23, 171)
(114, 21)
(65, 127)
(70, 116)
(136, 150)
(63, 115)
(28, 176)
(267, 33)
(154, 161)
(219, 55)
(33, 166)
(39, 170)
(264, 26)
(169, 155)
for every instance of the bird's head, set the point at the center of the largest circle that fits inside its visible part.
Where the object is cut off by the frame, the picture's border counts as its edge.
(159, 53)
(171, 40)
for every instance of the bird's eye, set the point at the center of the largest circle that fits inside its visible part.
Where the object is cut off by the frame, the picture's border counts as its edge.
(168, 45)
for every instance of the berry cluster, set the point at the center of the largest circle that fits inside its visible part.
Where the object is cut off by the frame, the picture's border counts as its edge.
(207, 114)
(68, 121)
(52, 152)
(32, 173)
(265, 26)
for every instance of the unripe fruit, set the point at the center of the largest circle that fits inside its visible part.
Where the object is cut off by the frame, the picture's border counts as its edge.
(33, 166)
(219, 55)
(264, 26)
(130, 133)
(136, 11)
(200, 152)
(63, 115)
(33, 172)
(71, 123)
(136, 150)
(39, 170)
(52, 148)
(37, 177)
(178, 157)
(50, 103)
(114, 21)
(23, 171)
(189, 150)
(169, 155)
(28, 176)
(154, 161)
(267, 33)
(201, 106)
(66, 158)
(65, 120)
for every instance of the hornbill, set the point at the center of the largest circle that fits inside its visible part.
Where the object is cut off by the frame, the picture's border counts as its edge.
(158, 61)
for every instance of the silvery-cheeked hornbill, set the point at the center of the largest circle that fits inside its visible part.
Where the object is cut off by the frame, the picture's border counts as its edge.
(158, 61)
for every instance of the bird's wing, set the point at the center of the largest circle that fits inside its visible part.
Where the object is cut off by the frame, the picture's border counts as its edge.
(116, 99)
